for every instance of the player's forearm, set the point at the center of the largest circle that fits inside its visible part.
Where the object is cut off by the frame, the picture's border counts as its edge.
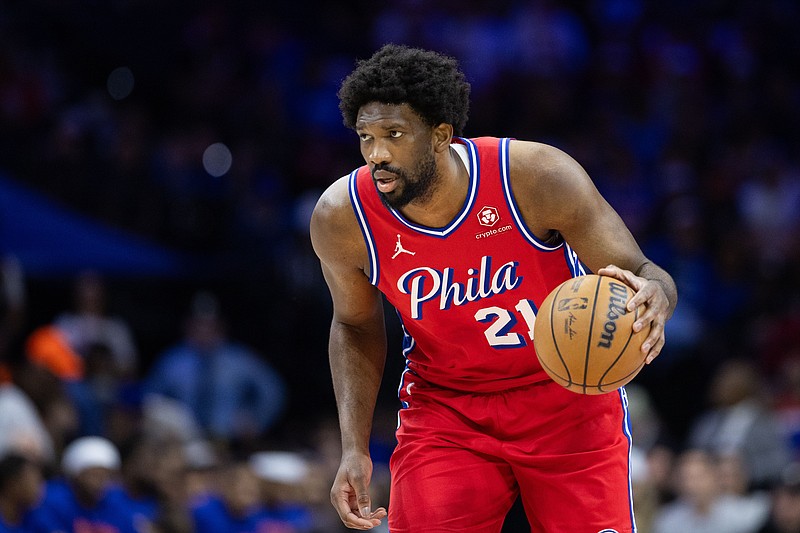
(357, 357)
(651, 271)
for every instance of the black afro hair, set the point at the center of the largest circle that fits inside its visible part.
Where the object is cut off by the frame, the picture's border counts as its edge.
(430, 83)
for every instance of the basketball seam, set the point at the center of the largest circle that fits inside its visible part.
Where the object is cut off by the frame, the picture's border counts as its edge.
(600, 384)
(589, 339)
(553, 336)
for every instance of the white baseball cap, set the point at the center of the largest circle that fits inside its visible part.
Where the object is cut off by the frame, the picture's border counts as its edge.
(281, 467)
(89, 452)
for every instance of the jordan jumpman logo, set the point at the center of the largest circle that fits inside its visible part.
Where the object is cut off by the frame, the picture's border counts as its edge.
(398, 249)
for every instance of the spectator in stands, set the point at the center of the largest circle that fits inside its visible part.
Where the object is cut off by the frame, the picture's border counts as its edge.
(137, 489)
(80, 500)
(44, 373)
(233, 392)
(237, 507)
(97, 394)
(201, 464)
(785, 513)
(292, 491)
(90, 325)
(701, 507)
(733, 475)
(769, 202)
(22, 429)
(739, 422)
(21, 489)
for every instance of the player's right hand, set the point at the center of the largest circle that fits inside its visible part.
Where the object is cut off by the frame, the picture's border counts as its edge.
(652, 295)
(350, 493)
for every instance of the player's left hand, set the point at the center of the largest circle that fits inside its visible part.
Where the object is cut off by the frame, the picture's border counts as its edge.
(651, 294)
(350, 493)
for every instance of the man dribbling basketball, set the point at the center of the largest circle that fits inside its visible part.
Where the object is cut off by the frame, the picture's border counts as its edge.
(494, 225)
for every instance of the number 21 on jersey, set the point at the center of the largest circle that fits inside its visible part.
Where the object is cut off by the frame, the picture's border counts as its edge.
(501, 321)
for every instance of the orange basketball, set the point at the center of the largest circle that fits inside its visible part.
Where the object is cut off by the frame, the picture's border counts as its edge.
(584, 335)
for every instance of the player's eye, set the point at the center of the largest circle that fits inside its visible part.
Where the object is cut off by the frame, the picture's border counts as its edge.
(363, 136)
(395, 134)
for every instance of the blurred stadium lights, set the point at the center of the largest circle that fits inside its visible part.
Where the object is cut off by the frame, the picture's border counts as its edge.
(217, 159)
(120, 83)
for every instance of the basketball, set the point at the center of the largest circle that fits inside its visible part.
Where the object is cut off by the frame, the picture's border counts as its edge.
(584, 336)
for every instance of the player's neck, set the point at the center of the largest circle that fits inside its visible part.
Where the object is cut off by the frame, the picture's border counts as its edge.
(448, 196)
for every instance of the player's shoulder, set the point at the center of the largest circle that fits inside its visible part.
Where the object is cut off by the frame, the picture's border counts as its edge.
(333, 221)
(549, 185)
(536, 155)
(536, 164)
(333, 208)
(335, 197)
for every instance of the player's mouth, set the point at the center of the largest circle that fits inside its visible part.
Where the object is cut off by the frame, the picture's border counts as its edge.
(385, 181)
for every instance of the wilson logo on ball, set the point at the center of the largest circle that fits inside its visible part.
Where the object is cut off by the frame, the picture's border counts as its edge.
(616, 308)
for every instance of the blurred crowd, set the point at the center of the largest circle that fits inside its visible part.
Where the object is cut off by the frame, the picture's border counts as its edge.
(90, 444)
(686, 115)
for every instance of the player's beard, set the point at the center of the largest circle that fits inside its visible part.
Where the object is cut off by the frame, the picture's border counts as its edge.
(417, 185)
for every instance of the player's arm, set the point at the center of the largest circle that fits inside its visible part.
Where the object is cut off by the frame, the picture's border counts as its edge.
(357, 348)
(556, 195)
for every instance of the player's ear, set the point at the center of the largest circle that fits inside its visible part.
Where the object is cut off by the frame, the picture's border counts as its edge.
(442, 137)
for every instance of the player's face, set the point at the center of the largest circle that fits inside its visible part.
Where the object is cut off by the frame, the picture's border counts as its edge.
(397, 146)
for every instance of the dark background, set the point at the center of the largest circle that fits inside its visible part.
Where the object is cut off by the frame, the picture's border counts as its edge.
(684, 113)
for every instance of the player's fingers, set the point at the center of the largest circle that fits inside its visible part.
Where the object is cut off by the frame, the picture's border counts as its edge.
(621, 274)
(351, 517)
(342, 498)
(655, 301)
(375, 517)
(354, 504)
(652, 345)
(612, 271)
(655, 351)
(654, 310)
(652, 338)
(340, 502)
(363, 518)
(364, 503)
(628, 278)
(379, 513)
(354, 521)
(652, 313)
(642, 297)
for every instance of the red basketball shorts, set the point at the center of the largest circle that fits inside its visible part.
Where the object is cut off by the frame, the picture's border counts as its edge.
(462, 459)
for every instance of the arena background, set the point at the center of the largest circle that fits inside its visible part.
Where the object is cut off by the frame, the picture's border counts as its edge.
(180, 146)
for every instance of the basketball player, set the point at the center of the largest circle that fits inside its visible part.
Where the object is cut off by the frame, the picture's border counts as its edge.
(466, 237)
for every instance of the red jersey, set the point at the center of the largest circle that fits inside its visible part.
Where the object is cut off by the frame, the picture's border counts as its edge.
(467, 293)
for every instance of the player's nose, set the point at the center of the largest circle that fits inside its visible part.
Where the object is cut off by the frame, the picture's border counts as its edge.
(379, 153)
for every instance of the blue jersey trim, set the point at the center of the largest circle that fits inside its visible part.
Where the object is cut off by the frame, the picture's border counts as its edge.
(406, 370)
(512, 204)
(574, 263)
(408, 346)
(474, 173)
(626, 429)
(403, 405)
(408, 341)
(365, 231)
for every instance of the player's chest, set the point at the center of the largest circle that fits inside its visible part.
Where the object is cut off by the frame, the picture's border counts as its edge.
(421, 272)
